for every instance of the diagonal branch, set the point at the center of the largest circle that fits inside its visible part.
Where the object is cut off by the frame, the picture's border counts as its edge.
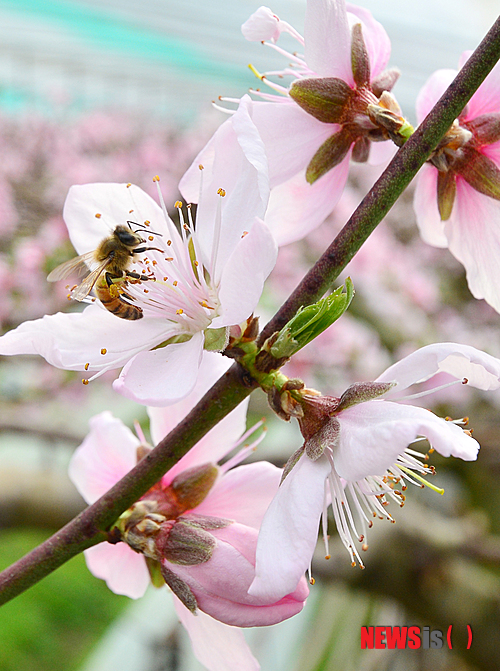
(89, 528)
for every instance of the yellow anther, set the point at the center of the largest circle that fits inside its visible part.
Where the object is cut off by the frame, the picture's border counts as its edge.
(104, 351)
(87, 366)
(201, 167)
(221, 193)
(180, 311)
(129, 185)
(98, 215)
(85, 381)
(178, 204)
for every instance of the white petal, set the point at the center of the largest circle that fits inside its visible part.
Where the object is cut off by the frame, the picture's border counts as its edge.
(235, 162)
(244, 275)
(162, 376)
(105, 456)
(71, 341)
(289, 530)
(373, 434)
(461, 361)
(296, 208)
(243, 494)
(291, 137)
(124, 570)
(328, 39)
(218, 646)
(115, 203)
(262, 25)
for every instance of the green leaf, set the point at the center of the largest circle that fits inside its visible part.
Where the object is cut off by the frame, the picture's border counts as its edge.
(311, 321)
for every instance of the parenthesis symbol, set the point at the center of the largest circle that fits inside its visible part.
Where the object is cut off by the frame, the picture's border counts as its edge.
(448, 637)
(469, 640)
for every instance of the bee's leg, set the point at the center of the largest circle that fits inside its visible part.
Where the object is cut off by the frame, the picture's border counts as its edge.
(113, 280)
(137, 276)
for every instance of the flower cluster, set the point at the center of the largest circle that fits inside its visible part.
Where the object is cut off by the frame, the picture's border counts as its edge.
(339, 102)
(195, 530)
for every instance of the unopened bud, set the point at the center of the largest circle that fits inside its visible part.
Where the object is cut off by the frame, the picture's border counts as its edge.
(311, 321)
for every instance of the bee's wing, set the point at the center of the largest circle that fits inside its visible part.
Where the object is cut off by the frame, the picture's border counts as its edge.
(85, 287)
(79, 264)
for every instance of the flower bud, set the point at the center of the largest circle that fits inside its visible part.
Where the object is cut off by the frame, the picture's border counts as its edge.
(311, 321)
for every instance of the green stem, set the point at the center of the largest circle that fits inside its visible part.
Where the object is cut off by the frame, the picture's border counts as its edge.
(89, 528)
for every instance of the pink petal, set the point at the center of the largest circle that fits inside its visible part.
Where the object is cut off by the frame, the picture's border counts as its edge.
(432, 90)
(461, 361)
(162, 376)
(220, 584)
(474, 239)
(243, 494)
(218, 646)
(425, 203)
(374, 433)
(381, 152)
(328, 39)
(296, 207)
(289, 530)
(71, 341)
(486, 100)
(114, 203)
(124, 571)
(105, 456)
(244, 275)
(376, 39)
(219, 440)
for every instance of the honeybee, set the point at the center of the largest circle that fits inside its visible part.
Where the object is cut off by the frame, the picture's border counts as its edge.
(113, 256)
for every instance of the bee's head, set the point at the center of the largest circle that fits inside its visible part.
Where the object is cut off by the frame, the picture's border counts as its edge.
(128, 237)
